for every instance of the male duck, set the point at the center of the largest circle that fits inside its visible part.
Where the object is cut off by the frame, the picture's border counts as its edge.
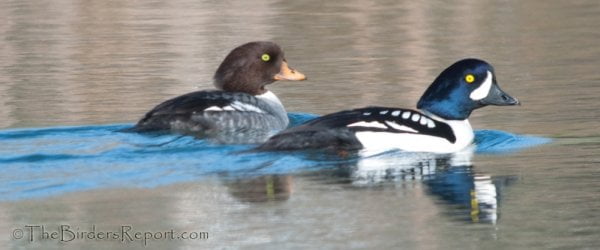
(440, 126)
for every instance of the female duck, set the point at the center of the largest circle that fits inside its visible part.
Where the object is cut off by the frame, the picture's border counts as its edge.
(242, 110)
(441, 125)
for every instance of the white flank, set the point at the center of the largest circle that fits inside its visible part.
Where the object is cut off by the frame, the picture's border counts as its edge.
(400, 127)
(418, 142)
(367, 124)
(484, 89)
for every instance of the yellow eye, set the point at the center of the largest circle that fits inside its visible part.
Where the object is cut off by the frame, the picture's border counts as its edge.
(265, 57)
(470, 78)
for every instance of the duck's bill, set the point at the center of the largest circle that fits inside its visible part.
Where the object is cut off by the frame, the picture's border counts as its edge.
(287, 73)
(498, 97)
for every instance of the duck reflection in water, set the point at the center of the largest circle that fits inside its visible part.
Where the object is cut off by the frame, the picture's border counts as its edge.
(451, 178)
(261, 189)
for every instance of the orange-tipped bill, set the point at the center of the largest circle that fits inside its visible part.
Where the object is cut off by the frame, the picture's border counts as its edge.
(286, 73)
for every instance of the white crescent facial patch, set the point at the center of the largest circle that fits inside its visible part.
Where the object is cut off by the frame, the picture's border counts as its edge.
(484, 89)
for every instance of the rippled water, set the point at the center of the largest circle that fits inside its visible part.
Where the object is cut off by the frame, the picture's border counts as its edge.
(71, 72)
(50, 161)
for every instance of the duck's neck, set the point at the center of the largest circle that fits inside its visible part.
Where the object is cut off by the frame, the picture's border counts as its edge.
(274, 102)
(237, 86)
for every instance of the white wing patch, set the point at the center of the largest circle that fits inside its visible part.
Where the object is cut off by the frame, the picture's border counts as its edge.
(400, 127)
(236, 106)
(228, 108)
(484, 89)
(213, 108)
(367, 124)
(240, 106)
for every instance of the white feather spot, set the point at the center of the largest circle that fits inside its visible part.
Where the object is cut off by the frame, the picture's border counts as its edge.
(430, 124)
(400, 127)
(423, 120)
(383, 112)
(484, 89)
(367, 113)
(406, 115)
(396, 113)
(228, 108)
(213, 108)
(415, 117)
(367, 124)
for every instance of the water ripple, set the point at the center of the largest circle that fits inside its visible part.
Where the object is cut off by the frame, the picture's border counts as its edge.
(47, 161)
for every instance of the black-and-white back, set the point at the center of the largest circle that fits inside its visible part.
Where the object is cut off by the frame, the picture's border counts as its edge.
(383, 119)
(373, 128)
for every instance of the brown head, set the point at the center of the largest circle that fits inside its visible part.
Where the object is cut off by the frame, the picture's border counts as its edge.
(250, 67)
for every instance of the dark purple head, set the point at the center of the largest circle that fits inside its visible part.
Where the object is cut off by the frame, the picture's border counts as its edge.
(463, 87)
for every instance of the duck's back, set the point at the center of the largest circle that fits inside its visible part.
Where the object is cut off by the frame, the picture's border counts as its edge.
(371, 127)
(208, 113)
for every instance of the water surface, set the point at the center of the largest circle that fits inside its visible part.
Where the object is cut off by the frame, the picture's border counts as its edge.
(71, 72)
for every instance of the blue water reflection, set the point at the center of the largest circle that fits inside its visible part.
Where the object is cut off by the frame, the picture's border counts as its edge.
(50, 161)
